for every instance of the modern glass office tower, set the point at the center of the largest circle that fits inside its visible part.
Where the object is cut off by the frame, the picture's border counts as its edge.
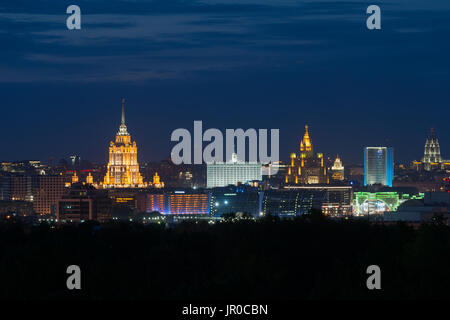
(233, 172)
(378, 166)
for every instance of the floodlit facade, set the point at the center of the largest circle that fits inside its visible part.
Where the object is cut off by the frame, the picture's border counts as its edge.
(177, 202)
(187, 203)
(157, 183)
(221, 174)
(432, 152)
(378, 166)
(432, 158)
(306, 168)
(337, 170)
(123, 168)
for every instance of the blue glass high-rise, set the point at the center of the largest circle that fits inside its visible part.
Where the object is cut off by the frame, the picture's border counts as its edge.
(378, 166)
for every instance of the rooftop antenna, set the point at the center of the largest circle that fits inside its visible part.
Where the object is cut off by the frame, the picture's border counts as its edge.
(123, 110)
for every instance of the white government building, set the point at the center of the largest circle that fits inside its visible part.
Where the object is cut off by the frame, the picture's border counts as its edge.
(221, 174)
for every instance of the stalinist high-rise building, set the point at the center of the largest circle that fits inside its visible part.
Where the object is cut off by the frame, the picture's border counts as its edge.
(123, 168)
(306, 168)
(432, 154)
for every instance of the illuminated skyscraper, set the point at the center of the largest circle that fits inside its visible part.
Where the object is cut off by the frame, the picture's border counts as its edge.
(378, 166)
(432, 153)
(432, 159)
(306, 168)
(123, 168)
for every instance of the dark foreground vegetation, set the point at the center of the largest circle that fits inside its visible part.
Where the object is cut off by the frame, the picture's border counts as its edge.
(309, 258)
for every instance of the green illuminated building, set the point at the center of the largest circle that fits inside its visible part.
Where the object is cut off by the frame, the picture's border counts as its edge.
(379, 202)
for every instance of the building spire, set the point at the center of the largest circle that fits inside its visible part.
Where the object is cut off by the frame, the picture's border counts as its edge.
(306, 144)
(432, 133)
(123, 110)
(123, 127)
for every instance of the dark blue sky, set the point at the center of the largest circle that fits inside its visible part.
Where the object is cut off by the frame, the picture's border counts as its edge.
(231, 63)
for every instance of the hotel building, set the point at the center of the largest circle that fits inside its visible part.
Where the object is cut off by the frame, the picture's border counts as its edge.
(123, 168)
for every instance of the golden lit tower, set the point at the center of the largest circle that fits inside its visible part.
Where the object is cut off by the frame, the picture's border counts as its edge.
(306, 144)
(90, 179)
(123, 168)
(306, 168)
(157, 183)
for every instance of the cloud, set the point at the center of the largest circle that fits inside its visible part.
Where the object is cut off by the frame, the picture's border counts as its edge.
(412, 30)
(126, 47)
(145, 40)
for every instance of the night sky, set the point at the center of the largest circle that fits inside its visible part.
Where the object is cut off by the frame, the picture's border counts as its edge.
(230, 63)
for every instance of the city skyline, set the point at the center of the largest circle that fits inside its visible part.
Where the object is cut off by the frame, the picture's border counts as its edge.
(283, 157)
(232, 65)
(224, 157)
